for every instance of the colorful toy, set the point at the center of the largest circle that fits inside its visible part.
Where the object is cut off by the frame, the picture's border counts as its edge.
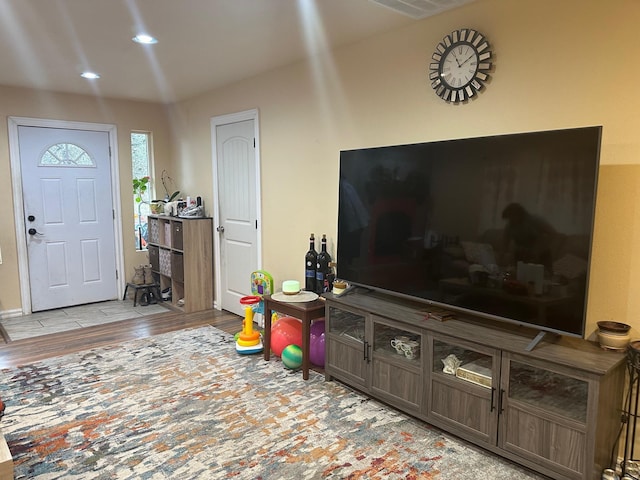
(316, 343)
(292, 356)
(261, 284)
(286, 331)
(249, 341)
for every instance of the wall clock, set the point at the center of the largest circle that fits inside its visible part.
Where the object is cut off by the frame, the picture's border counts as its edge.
(461, 64)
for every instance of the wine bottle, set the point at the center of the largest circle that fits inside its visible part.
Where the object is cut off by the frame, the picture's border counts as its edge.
(322, 268)
(310, 260)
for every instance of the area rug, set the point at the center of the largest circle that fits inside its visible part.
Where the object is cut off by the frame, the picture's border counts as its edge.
(185, 405)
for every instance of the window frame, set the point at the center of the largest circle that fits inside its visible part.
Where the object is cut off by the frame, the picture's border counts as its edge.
(142, 209)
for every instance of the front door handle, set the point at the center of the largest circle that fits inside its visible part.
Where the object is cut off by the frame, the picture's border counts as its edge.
(220, 229)
(33, 231)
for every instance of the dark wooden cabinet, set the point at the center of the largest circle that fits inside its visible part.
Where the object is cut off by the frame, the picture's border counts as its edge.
(555, 409)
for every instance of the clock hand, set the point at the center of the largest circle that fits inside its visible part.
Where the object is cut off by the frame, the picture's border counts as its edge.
(455, 57)
(468, 58)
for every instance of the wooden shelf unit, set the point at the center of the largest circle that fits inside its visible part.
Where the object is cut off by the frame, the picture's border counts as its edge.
(555, 409)
(181, 257)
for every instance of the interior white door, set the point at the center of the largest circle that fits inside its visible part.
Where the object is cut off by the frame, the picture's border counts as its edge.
(66, 187)
(237, 211)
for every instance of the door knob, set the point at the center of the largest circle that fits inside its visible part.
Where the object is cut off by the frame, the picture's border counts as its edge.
(31, 218)
(33, 231)
(220, 229)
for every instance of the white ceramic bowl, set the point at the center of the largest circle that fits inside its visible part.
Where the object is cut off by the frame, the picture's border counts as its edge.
(615, 341)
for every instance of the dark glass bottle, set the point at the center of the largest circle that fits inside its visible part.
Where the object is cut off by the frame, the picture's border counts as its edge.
(322, 268)
(310, 260)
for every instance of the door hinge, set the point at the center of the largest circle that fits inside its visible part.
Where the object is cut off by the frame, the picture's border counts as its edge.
(254, 143)
(113, 213)
(256, 224)
(117, 276)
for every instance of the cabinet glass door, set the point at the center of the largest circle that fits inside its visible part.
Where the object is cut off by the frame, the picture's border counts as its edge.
(544, 417)
(396, 364)
(462, 395)
(462, 363)
(346, 355)
(348, 325)
(397, 343)
(550, 391)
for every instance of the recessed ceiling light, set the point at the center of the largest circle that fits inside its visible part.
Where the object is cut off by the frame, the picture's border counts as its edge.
(90, 75)
(144, 39)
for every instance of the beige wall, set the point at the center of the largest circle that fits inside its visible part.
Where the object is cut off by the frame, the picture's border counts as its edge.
(126, 116)
(557, 65)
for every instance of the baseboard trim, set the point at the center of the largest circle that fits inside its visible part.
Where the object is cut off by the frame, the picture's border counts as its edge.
(17, 312)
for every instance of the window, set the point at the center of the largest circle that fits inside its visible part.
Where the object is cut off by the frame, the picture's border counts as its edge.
(142, 195)
(66, 155)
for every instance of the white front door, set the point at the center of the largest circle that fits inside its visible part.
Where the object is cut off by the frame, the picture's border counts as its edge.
(237, 219)
(68, 216)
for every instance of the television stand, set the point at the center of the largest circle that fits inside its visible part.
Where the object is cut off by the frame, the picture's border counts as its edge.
(535, 403)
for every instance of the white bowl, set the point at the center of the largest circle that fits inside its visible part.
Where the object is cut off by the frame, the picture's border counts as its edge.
(613, 341)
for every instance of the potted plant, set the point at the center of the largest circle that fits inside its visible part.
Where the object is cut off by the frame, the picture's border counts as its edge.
(139, 188)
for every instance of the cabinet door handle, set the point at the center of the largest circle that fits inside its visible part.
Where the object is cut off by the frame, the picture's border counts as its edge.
(368, 352)
(367, 349)
(500, 404)
(493, 393)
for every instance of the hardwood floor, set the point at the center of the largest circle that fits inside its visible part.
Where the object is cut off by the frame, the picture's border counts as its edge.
(29, 350)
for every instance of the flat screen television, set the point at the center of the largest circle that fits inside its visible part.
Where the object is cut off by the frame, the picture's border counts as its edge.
(499, 227)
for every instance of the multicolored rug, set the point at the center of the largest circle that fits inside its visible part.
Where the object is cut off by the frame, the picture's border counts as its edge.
(185, 405)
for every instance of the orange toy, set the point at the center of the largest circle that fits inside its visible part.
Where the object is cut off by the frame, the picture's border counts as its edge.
(248, 340)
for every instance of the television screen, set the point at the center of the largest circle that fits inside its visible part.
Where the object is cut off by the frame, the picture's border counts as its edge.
(499, 227)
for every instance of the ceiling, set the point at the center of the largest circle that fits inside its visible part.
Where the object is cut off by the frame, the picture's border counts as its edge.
(202, 44)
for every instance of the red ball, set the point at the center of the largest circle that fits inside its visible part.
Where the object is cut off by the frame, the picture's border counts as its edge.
(286, 331)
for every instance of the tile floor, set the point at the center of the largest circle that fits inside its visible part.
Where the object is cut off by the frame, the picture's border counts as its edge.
(64, 319)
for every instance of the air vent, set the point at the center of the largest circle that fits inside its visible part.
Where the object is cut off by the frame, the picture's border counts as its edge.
(421, 8)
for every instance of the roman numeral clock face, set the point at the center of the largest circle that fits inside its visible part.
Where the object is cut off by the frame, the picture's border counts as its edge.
(461, 65)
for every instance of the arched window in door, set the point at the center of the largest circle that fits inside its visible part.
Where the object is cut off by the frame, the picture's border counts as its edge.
(66, 155)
